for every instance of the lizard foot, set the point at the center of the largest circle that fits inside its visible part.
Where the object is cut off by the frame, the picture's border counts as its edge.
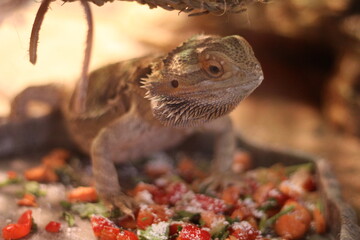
(125, 203)
(219, 181)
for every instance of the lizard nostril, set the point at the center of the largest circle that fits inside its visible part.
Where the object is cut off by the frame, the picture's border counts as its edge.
(174, 83)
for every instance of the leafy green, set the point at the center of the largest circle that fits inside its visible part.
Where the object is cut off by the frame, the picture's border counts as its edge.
(291, 169)
(185, 216)
(69, 218)
(159, 231)
(269, 204)
(220, 232)
(85, 210)
(267, 222)
(34, 188)
(9, 181)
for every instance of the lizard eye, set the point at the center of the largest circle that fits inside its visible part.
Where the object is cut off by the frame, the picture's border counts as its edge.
(213, 68)
(174, 83)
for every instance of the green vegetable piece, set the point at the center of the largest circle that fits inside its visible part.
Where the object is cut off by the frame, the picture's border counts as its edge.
(273, 219)
(158, 231)
(7, 182)
(69, 218)
(34, 188)
(265, 222)
(291, 169)
(220, 232)
(66, 205)
(85, 210)
(185, 216)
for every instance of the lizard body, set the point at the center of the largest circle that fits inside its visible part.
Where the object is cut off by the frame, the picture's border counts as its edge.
(137, 107)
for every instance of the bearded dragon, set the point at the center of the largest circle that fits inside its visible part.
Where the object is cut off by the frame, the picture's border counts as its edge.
(144, 105)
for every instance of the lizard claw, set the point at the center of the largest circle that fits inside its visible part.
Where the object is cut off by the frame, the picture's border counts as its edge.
(218, 181)
(125, 203)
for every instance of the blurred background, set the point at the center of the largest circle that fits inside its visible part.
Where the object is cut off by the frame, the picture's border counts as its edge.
(309, 51)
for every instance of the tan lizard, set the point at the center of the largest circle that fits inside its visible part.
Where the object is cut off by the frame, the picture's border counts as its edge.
(140, 106)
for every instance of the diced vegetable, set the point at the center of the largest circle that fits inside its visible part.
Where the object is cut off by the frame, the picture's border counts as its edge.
(19, 229)
(34, 189)
(98, 223)
(262, 193)
(82, 194)
(126, 235)
(56, 158)
(109, 233)
(28, 200)
(319, 221)
(295, 224)
(11, 175)
(241, 212)
(69, 218)
(231, 194)
(191, 232)
(157, 231)
(241, 162)
(127, 222)
(53, 227)
(212, 220)
(176, 191)
(210, 204)
(86, 210)
(152, 214)
(244, 231)
(41, 174)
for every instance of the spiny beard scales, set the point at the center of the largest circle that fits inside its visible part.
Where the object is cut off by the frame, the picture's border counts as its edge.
(181, 112)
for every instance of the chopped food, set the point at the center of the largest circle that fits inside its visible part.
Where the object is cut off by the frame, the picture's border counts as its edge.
(98, 223)
(191, 232)
(53, 227)
(150, 214)
(28, 200)
(319, 221)
(41, 174)
(11, 175)
(271, 203)
(20, 229)
(82, 194)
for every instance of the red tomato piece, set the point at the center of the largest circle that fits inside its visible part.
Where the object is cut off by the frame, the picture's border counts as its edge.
(53, 227)
(210, 204)
(241, 212)
(261, 194)
(127, 222)
(152, 214)
(176, 191)
(98, 223)
(126, 235)
(244, 231)
(15, 231)
(160, 197)
(109, 233)
(26, 219)
(191, 232)
(174, 228)
(19, 229)
(11, 175)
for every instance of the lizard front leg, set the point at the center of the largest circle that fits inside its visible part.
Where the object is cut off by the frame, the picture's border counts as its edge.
(225, 144)
(118, 142)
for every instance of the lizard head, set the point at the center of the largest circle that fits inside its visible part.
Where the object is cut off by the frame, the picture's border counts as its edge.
(204, 78)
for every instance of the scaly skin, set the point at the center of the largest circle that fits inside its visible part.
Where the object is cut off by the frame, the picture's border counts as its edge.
(152, 103)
